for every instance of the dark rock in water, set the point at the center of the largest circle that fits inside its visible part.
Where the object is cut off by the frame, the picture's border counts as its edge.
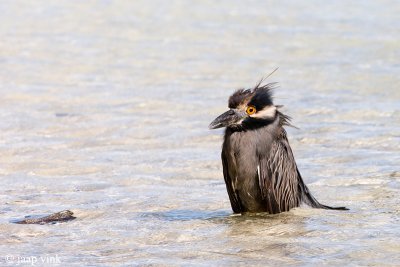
(61, 216)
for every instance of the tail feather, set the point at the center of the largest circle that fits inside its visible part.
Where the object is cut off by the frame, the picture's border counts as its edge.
(310, 200)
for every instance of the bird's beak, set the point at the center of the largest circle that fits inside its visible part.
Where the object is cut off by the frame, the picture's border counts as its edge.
(232, 116)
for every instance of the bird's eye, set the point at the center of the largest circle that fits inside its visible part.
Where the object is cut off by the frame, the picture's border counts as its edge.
(251, 110)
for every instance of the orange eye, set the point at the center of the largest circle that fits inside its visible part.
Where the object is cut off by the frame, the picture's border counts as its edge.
(251, 110)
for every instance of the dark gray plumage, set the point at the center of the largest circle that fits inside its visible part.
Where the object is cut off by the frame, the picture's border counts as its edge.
(260, 172)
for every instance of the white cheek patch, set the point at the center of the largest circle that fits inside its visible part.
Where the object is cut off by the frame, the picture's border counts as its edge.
(266, 113)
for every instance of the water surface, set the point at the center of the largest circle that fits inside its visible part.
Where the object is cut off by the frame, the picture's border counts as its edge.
(104, 108)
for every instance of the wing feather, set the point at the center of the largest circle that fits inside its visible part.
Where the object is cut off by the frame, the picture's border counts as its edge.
(233, 197)
(279, 178)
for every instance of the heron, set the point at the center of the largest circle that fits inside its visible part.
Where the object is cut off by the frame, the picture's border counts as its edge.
(260, 172)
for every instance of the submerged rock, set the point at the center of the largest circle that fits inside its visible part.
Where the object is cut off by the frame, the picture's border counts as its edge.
(62, 216)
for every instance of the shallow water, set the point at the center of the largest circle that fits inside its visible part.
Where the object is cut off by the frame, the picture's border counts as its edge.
(104, 108)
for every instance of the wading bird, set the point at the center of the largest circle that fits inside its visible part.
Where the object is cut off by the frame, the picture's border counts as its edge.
(259, 168)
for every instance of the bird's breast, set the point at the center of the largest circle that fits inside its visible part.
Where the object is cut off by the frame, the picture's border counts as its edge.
(241, 151)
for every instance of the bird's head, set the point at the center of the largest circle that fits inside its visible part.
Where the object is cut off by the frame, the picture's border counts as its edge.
(248, 108)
